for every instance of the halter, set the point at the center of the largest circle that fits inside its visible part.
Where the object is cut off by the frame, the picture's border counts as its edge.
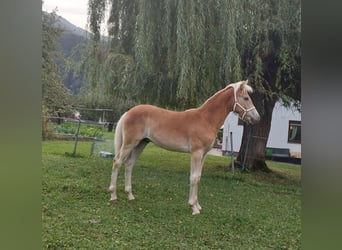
(245, 111)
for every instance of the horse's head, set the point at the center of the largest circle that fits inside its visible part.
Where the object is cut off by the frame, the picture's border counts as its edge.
(243, 105)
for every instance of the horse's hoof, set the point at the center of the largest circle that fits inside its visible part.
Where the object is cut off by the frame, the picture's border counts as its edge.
(113, 201)
(195, 212)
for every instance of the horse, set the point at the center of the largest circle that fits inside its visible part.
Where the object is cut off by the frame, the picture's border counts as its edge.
(193, 131)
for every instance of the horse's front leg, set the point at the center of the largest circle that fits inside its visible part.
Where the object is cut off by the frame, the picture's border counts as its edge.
(195, 176)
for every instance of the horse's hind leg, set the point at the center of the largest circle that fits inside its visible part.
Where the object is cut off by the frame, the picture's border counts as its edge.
(119, 159)
(129, 167)
(117, 162)
(112, 188)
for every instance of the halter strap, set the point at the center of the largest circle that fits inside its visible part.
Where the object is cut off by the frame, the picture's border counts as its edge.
(245, 111)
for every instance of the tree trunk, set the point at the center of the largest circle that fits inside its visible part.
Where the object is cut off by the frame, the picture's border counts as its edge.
(252, 156)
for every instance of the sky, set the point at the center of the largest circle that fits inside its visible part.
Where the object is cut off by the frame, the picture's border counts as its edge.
(75, 11)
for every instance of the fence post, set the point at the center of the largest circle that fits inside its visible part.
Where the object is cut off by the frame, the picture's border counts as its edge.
(232, 151)
(76, 136)
(92, 148)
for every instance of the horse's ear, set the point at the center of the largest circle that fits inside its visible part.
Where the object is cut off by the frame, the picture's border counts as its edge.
(243, 84)
(246, 87)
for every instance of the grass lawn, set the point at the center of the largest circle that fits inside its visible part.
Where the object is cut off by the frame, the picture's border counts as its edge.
(244, 211)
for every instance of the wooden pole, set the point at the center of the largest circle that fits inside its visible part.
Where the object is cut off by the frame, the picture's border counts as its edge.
(232, 151)
(76, 136)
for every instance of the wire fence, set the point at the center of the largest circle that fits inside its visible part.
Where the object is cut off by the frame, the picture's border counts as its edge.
(69, 128)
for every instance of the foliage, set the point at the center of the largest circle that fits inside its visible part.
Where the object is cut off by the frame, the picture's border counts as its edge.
(85, 129)
(270, 43)
(239, 212)
(96, 16)
(69, 40)
(46, 129)
(56, 97)
(269, 47)
(183, 51)
(108, 78)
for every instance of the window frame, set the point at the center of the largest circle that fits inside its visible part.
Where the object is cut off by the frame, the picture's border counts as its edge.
(292, 124)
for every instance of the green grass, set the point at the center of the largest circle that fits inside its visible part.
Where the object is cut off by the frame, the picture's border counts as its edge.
(244, 211)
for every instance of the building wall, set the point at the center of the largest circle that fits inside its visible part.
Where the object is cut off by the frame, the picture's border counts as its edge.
(279, 128)
(278, 137)
(231, 125)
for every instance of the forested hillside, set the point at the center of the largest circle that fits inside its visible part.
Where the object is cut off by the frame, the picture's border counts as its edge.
(71, 37)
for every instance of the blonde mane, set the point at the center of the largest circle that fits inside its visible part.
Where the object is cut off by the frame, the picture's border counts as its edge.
(236, 86)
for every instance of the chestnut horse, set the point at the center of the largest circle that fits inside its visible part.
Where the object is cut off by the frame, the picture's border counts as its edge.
(192, 131)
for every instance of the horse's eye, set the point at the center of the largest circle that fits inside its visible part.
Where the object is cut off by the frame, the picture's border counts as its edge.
(245, 99)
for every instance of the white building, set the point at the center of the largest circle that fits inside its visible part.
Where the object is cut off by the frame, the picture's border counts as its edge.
(285, 131)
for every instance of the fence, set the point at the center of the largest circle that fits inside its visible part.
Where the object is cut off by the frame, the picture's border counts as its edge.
(76, 129)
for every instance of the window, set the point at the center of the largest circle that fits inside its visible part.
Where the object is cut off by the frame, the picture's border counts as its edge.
(294, 135)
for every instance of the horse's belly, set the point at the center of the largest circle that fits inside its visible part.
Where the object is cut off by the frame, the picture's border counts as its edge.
(172, 144)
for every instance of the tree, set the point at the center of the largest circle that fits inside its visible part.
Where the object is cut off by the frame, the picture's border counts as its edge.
(179, 52)
(56, 97)
(270, 54)
(106, 68)
(175, 47)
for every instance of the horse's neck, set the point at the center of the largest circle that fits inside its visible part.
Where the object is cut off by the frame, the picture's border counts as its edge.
(217, 107)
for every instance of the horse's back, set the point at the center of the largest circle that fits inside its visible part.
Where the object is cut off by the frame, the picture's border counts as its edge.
(163, 117)
(168, 129)
(147, 109)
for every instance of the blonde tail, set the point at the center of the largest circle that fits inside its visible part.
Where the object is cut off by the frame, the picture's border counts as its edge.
(118, 136)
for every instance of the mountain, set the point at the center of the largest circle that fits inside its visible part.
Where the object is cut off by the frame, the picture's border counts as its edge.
(70, 38)
(71, 28)
(72, 35)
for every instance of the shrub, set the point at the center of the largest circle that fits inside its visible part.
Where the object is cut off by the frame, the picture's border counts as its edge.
(85, 129)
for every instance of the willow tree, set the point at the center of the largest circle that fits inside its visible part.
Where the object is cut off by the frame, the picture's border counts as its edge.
(269, 44)
(89, 57)
(179, 52)
(177, 48)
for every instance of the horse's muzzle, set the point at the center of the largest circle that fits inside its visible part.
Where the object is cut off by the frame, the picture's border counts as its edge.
(252, 117)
